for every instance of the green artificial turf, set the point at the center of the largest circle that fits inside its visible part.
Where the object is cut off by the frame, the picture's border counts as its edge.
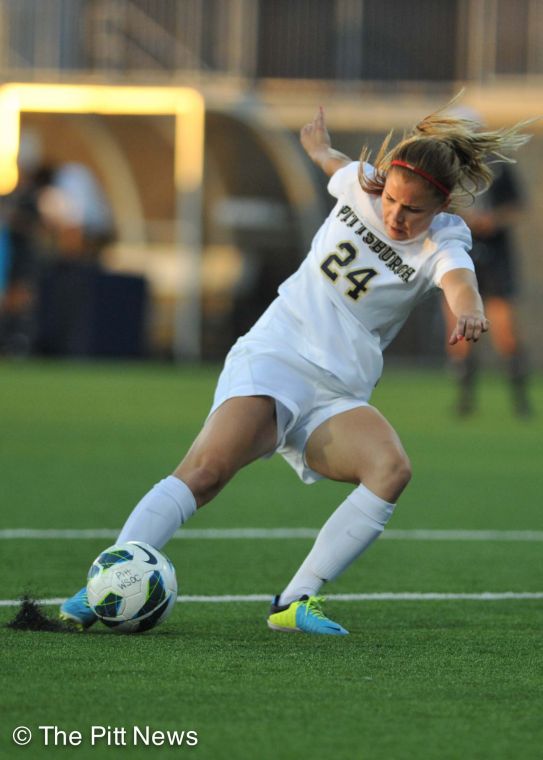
(412, 680)
(454, 679)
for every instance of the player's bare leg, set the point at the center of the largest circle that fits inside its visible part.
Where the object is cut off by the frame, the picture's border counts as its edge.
(241, 430)
(360, 447)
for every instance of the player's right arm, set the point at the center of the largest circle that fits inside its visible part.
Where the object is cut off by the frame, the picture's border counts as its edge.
(316, 142)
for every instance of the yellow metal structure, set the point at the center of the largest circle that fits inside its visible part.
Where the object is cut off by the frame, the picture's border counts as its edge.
(185, 104)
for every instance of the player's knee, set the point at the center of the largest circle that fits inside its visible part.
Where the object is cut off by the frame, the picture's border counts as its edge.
(404, 471)
(393, 469)
(206, 478)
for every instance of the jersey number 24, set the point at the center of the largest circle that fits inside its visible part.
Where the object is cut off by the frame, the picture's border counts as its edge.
(358, 277)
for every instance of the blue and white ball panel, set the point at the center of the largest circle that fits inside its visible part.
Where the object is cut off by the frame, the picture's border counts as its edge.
(132, 587)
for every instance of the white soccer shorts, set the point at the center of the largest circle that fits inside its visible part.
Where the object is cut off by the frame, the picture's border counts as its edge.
(305, 395)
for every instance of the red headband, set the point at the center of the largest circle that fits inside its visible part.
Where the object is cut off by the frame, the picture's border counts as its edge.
(432, 180)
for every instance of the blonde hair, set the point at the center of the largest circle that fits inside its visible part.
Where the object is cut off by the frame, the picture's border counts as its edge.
(455, 152)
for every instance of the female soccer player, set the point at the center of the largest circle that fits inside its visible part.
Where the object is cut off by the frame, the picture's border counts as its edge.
(299, 382)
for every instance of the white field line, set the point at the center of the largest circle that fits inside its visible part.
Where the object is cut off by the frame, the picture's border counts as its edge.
(485, 596)
(278, 533)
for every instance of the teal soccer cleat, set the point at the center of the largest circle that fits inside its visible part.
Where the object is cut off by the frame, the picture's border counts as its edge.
(305, 616)
(76, 611)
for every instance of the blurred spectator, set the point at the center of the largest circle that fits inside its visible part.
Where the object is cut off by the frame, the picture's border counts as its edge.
(24, 244)
(75, 208)
(491, 219)
(76, 214)
(54, 226)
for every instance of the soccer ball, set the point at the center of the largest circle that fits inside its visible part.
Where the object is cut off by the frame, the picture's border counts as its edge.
(131, 587)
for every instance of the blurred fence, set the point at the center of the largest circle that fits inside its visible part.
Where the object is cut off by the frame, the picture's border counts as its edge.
(374, 40)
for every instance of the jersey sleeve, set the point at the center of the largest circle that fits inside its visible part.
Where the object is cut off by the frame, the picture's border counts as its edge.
(344, 177)
(448, 259)
(454, 244)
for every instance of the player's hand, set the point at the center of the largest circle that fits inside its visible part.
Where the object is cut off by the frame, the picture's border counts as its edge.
(469, 327)
(315, 137)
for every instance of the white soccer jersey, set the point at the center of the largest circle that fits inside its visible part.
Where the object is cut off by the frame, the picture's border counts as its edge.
(355, 289)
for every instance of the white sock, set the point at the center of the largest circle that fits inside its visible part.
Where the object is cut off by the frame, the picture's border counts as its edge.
(160, 513)
(350, 530)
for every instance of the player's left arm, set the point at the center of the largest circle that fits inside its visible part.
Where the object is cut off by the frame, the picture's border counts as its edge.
(462, 294)
(316, 142)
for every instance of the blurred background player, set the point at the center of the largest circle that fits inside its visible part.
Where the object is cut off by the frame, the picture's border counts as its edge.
(491, 219)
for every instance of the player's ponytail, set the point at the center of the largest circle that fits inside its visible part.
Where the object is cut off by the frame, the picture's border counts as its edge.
(452, 154)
